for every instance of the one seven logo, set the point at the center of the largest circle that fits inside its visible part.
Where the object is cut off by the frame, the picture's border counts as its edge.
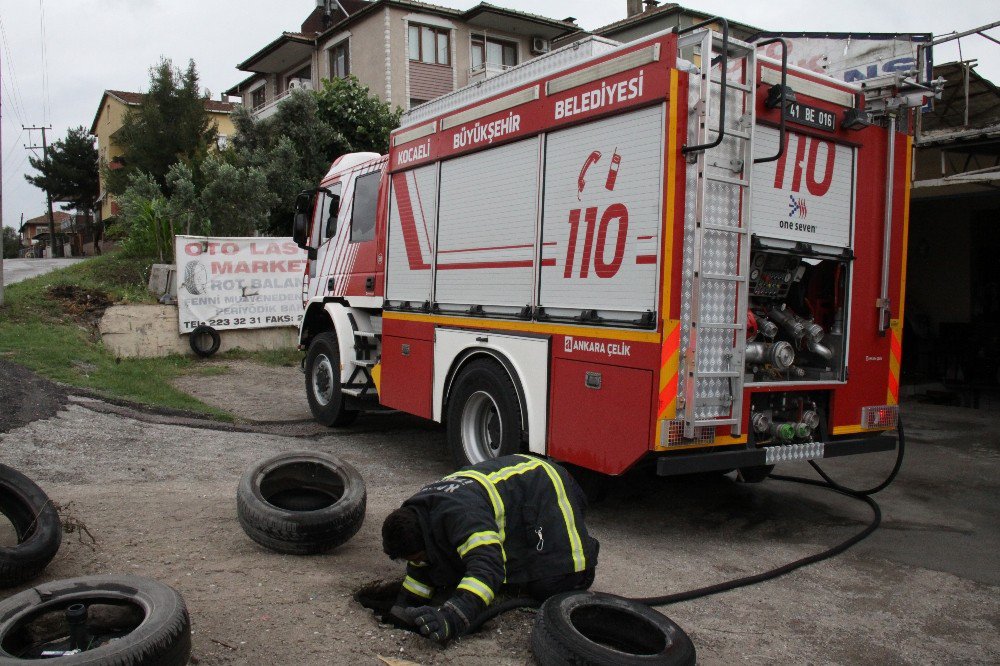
(797, 206)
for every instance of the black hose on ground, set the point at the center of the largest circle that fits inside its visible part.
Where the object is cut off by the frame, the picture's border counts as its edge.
(827, 482)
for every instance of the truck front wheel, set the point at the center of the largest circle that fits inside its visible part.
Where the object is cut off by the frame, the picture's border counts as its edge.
(323, 382)
(484, 415)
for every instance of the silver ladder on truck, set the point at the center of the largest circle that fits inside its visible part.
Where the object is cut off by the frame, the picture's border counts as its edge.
(721, 153)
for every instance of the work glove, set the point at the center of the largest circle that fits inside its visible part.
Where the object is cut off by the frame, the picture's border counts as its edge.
(438, 624)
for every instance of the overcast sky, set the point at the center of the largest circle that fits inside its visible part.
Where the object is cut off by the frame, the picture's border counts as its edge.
(55, 70)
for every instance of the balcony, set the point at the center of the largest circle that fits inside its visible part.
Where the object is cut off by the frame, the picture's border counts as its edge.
(268, 109)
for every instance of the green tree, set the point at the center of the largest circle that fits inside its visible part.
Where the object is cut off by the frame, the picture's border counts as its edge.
(11, 243)
(360, 119)
(71, 176)
(295, 147)
(170, 125)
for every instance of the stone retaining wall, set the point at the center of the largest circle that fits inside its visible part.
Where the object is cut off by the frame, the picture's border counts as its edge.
(132, 331)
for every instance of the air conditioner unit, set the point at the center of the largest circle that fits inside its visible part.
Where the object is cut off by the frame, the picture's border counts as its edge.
(300, 84)
(539, 45)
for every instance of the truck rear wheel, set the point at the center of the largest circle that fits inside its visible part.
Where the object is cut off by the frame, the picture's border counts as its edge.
(484, 415)
(326, 401)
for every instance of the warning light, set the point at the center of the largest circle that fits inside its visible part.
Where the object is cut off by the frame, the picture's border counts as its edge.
(879, 417)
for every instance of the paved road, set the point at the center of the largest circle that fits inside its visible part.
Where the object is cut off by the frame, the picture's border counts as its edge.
(15, 270)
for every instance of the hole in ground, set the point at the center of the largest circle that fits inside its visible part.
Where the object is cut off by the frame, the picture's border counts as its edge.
(379, 596)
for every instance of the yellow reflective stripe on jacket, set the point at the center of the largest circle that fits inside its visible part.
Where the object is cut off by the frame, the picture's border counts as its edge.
(478, 588)
(414, 586)
(576, 544)
(507, 472)
(499, 510)
(479, 539)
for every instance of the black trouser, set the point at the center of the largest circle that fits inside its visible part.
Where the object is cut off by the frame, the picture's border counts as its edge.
(546, 587)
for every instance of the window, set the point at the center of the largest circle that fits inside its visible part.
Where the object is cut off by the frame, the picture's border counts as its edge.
(326, 211)
(416, 102)
(339, 64)
(493, 52)
(257, 97)
(363, 207)
(430, 45)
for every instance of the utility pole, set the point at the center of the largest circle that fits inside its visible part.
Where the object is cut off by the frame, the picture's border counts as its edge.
(56, 250)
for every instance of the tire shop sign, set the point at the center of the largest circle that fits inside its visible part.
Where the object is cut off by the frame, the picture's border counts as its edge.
(230, 283)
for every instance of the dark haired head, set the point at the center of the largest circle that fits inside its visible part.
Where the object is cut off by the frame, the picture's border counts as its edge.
(401, 535)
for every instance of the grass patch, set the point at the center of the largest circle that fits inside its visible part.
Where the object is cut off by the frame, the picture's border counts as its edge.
(41, 333)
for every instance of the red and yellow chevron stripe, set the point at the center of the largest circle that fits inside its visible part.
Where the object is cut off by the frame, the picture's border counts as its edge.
(895, 357)
(669, 364)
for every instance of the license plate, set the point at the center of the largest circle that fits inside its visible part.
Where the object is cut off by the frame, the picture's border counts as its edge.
(811, 116)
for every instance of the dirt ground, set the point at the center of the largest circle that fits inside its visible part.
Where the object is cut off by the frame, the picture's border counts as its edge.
(160, 501)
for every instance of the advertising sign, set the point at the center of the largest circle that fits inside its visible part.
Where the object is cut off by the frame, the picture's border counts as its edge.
(852, 57)
(230, 283)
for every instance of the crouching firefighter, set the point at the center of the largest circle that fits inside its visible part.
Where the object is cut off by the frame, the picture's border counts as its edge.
(514, 520)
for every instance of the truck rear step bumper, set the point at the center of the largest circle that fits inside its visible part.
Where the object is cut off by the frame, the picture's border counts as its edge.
(671, 465)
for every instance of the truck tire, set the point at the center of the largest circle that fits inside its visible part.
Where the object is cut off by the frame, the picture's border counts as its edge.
(130, 621)
(326, 402)
(301, 503)
(594, 629)
(204, 341)
(36, 523)
(484, 414)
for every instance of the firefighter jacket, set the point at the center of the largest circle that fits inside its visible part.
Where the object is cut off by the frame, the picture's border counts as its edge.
(514, 519)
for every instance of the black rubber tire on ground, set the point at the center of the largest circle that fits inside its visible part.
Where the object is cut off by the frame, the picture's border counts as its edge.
(301, 503)
(483, 387)
(754, 474)
(594, 629)
(36, 522)
(161, 635)
(326, 402)
(204, 341)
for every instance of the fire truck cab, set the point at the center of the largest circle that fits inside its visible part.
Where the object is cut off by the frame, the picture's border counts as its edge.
(675, 251)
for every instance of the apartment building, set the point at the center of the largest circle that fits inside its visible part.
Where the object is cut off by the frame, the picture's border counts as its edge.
(406, 52)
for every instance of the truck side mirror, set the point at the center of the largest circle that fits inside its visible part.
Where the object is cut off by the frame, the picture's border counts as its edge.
(300, 224)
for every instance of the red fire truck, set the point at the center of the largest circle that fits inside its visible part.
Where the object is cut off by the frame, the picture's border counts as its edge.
(674, 251)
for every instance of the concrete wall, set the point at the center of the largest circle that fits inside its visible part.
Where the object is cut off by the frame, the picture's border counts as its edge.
(149, 331)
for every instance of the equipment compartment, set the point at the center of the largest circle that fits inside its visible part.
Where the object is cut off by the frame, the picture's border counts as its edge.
(795, 321)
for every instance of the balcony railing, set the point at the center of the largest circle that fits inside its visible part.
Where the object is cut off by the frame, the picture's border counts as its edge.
(268, 109)
(486, 71)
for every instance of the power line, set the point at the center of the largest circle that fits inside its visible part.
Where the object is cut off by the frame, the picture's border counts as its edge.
(45, 63)
(15, 171)
(9, 103)
(15, 87)
(13, 147)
